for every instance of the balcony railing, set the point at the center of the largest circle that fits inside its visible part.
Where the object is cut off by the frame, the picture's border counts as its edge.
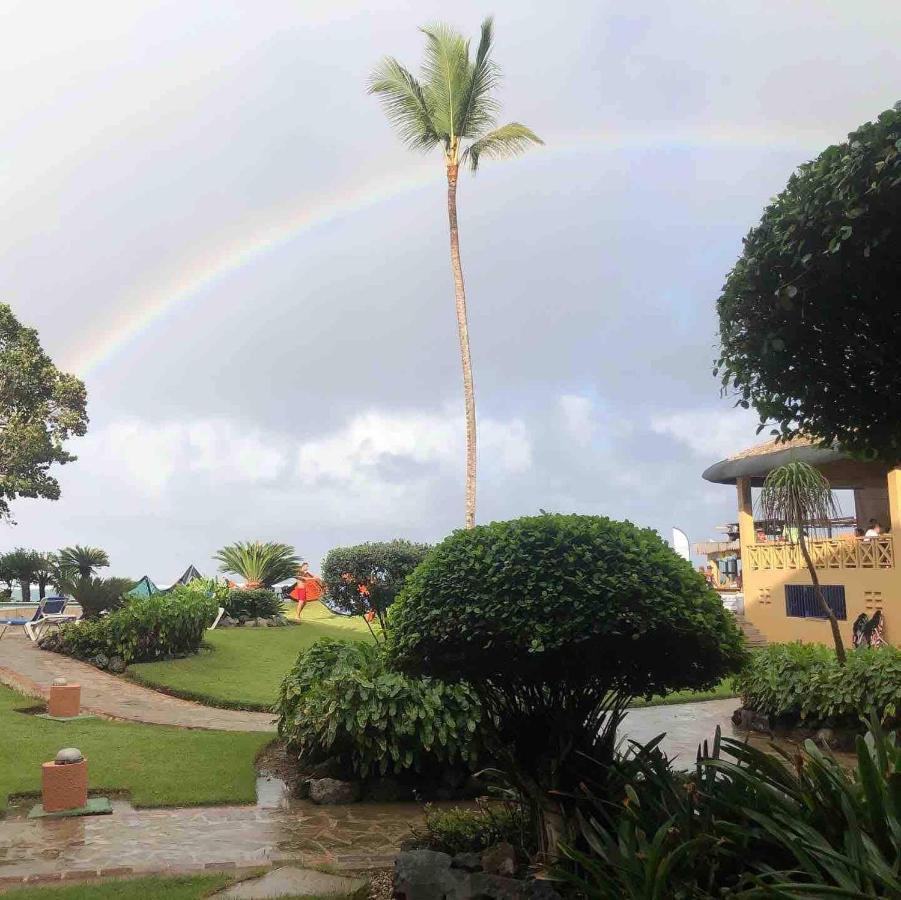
(833, 553)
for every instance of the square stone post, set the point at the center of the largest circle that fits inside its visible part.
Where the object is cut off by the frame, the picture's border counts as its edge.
(893, 483)
(746, 533)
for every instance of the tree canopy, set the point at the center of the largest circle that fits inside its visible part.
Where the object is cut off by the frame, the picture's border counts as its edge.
(809, 316)
(40, 408)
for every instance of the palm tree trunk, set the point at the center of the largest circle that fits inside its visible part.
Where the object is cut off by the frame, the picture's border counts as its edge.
(824, 606)
(463, 333)
(25, 585)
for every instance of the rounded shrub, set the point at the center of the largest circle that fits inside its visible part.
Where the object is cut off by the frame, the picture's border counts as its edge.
(342, 700)
(557, 621)
(252, 603)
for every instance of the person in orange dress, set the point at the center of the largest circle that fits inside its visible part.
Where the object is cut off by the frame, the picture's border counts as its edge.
(307, 590)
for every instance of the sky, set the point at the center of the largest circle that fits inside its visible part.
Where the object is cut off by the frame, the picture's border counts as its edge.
(208, 219)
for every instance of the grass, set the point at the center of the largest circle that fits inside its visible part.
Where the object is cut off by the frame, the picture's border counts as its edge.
(175, 888)
(158, 765)
(723, 690)
(241, 668)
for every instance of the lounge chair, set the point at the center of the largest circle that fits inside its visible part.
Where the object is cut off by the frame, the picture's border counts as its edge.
(50, 611)
(219, 615)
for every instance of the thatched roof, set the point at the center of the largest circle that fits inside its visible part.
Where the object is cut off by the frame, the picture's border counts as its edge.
(755, 462)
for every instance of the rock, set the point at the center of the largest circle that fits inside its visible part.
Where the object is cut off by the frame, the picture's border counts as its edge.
(116, 665)
(498, 887)
(101, 660)
(469, 862)
(331, 791)
(426, 875)
(290, 881)
(302, 791)
(242, 620)
(499, 859)
(259, 622)
(226, 622)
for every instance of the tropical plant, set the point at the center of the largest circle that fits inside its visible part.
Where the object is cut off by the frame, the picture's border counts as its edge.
(80, 562)
(260, 564)
(96, 596)
(46, 573)
(471, 830)
(252, 603)
(40, 408)
(804, 682)
(809, 323)
(368, 576)
(341, 699)
(142, 630)
(557, 622)
(798, 495)
(22, 565)
(453, 107)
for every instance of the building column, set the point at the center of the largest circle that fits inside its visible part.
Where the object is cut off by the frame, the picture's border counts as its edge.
(893, 483)
(746, 533)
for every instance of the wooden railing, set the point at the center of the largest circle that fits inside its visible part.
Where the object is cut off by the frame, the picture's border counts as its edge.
(834, 553)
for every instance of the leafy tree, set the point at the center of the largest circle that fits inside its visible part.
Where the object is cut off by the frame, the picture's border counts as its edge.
(260, 564)
(22, 565)
(40, 408)
(80, 562)
(369, 576)
(809, 316)
(46, 573)
(557, 622)
(453, 107)
(798, 494)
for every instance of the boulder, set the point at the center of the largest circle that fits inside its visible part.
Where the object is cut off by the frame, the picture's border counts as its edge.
(101, 660)
(329, 791)
(499, 859)
(426, 875)
(481, 884)
(116, 665)
(469, 862)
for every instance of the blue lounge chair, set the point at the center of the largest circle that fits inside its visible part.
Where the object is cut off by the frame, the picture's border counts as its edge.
(50, 610)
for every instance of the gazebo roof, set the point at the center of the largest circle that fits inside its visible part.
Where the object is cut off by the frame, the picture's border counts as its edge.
(757, 461)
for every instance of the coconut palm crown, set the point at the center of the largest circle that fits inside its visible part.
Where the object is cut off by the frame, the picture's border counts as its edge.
(452, 107)
(261, 564)
(81, 562)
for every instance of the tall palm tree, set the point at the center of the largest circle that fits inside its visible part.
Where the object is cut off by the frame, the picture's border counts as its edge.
(798, 494)
(260, 564)
(22, 565)
(46, 572)
(452, 107)
(81, 561)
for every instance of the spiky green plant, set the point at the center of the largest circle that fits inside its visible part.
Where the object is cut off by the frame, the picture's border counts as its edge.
(261, 564)
(80, 562)
(22, 565)
(798, 495)
(453, 107)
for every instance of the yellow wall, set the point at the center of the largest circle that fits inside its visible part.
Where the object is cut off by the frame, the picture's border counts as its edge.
(866, 590)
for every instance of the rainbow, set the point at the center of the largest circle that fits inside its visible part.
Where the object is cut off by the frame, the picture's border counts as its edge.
(141, 311)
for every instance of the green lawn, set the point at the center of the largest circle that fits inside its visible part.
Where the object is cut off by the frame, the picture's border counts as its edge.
(177, 888)
(722, 690)
(157, 765)
(243, 667)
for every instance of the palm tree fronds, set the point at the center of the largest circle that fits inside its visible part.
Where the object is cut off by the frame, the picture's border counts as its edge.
(259, 563)
(502, 143)
(797, 494)
(81, 561)
(445, 73)
(478, 110)
(405, 104)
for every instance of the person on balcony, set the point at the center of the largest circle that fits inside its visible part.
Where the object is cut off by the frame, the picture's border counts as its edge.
(874, 530)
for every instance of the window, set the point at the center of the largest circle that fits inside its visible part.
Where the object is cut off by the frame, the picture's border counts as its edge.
(801, 601)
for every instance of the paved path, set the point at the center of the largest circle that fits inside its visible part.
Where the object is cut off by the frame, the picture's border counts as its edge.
(29, 669)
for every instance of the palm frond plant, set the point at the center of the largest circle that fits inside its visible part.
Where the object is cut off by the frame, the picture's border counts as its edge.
(452, 106)
(259, 563)
(798, 495)
(80, 562)
(96, 596)
(46, 573)
(22, 565)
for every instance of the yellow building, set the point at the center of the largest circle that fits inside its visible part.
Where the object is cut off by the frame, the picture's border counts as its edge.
(859, 575)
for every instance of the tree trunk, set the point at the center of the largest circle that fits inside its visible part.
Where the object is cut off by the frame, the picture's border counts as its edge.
(463, 333)
(42, 589)
(824, 606)
(25, 585)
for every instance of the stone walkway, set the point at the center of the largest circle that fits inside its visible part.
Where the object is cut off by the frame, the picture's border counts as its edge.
(29, 669)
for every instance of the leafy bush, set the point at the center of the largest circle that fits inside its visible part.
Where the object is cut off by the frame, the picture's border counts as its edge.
(805, 681)
(557, 622)
(466, 830)
(144, 629)
(99, 595)
(380, 569)
(252, 603)
(341, 699)
(817, 279)
(756, 825)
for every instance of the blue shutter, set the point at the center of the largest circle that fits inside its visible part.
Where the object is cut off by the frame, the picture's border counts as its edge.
(801, 601)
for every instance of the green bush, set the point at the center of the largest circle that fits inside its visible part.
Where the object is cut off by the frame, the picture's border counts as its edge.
(379, 568)
(805, 682)
(99, 595)
(252, 603)
(340, 699)
(467, 830)
(144, 629)
(557, 622)
(745, 823)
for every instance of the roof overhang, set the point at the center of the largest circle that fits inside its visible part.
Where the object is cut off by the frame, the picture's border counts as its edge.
(758, 466)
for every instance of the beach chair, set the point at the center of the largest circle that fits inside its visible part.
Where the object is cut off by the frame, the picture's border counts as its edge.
(50, 612)
(219, 615)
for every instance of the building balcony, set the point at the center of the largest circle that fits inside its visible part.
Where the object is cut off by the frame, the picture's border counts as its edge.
(829, 553)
